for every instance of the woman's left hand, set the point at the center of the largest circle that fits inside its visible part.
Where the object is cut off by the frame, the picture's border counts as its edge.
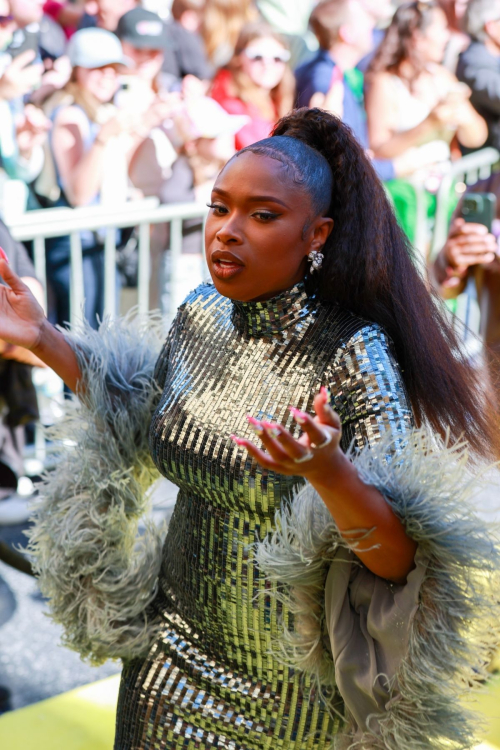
(313, 454)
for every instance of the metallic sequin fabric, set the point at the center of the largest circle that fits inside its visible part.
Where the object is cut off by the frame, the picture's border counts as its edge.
(211, 681)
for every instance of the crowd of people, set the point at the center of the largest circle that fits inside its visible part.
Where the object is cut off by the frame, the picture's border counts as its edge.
(104, 101)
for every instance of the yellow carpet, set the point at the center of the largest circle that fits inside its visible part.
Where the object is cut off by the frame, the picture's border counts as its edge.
(83, 719)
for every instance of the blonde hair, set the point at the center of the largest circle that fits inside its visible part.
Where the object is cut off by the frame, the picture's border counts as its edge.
(223, 21)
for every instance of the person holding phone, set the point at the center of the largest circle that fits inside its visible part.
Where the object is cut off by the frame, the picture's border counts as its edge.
(472, 251)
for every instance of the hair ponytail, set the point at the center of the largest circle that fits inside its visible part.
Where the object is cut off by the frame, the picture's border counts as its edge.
(370, 269)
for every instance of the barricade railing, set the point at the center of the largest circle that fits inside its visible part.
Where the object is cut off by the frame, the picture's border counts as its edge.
(38, 226)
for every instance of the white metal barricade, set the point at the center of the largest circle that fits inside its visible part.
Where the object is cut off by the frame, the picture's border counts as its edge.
(58, 222)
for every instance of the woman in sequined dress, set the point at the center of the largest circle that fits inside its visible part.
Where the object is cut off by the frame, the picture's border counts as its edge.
(315, 305)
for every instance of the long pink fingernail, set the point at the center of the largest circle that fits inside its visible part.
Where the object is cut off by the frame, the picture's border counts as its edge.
(237, 440)
(299, 416)
(3, 255)
(325, 392)
(271, 429)
(255, 425)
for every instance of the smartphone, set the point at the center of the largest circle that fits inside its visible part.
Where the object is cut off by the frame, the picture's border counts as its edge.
(479, 208)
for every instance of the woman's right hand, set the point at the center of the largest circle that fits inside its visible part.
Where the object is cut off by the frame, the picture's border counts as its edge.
(21, 317)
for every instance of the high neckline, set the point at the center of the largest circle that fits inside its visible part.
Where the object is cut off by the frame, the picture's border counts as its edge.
(271, 317)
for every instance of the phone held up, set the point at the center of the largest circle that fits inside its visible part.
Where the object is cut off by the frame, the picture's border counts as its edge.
(479, 208)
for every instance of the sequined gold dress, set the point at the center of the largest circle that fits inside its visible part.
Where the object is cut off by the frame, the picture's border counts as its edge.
(210, 681)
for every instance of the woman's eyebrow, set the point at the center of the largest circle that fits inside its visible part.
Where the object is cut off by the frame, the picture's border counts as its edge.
(254, 198)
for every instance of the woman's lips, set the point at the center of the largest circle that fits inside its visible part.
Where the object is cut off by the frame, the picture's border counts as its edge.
(226, 269)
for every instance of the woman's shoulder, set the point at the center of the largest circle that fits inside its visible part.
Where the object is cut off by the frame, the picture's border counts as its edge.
(204, 295)
(355, 334)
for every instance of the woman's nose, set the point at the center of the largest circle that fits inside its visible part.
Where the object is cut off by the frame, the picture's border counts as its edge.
(229, 234)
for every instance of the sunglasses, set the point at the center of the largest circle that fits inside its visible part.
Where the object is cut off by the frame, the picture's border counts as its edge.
(279, 57)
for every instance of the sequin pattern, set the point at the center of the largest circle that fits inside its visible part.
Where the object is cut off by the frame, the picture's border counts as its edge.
(211, 680)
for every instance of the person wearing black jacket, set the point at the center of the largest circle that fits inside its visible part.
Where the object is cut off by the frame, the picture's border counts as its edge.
(479, 65)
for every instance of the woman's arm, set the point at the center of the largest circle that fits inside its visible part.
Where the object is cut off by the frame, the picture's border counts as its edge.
(381, 104)
(359, 510)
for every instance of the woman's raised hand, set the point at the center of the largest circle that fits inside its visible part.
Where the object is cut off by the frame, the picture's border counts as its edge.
(21, 317)
(312, 455)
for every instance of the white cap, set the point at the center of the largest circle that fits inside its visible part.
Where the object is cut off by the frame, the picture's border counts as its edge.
(210, 120)
(95, 48)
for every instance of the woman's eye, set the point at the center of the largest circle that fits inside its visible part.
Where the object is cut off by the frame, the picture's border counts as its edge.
(217, 208)
(265, 215)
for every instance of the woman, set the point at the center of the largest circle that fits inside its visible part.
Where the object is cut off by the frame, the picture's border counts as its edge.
(312, 280)
(414, 102)
(256, 82)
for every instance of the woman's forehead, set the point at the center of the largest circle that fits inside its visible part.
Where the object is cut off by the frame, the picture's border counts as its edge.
(248, 171)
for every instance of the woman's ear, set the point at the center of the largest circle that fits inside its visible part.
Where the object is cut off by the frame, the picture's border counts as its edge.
(320, 230)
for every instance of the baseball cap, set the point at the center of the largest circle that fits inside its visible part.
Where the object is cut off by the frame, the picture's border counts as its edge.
(95, 48)
(209, 120)
(142, 29)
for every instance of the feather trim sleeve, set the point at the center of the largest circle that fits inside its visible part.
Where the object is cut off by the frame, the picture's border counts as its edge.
(401, 657)
(98, 573)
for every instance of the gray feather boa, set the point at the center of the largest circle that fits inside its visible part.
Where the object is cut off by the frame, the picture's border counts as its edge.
(456, 627)
(97, 573)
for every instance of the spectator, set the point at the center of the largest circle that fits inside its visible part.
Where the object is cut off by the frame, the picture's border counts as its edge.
(471, 252)
(105, 14)
(143, 39)
(414, 105)
(18, 405)
(185, 51)
(412, 100)
(257, 82)
(329, 79)
(479, 65)
(223, 21)
(90, 143)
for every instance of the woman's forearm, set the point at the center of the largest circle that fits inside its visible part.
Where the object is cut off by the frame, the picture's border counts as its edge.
(54, 350)
(398, 143)
(358, 508)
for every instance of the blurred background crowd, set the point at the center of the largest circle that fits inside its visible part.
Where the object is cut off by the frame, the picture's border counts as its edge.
(108, 101)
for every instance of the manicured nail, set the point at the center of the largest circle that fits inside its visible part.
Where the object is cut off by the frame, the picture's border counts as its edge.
(271, 429)
(237, 440)
(3, 255)
(255, 425)
(325, 392)
(299, 416)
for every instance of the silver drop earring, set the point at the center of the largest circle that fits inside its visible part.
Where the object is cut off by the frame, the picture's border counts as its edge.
(316, 259)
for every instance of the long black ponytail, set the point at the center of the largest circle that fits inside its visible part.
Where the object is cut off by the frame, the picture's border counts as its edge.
(370, 268)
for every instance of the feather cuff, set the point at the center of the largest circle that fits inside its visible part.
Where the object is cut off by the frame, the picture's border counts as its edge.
(410, 651)
(97, 573)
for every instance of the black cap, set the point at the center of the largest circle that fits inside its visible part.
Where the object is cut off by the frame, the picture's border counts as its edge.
(142, 29)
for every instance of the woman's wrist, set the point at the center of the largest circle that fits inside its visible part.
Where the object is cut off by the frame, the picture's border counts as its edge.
(45, 339)
(339, 471)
